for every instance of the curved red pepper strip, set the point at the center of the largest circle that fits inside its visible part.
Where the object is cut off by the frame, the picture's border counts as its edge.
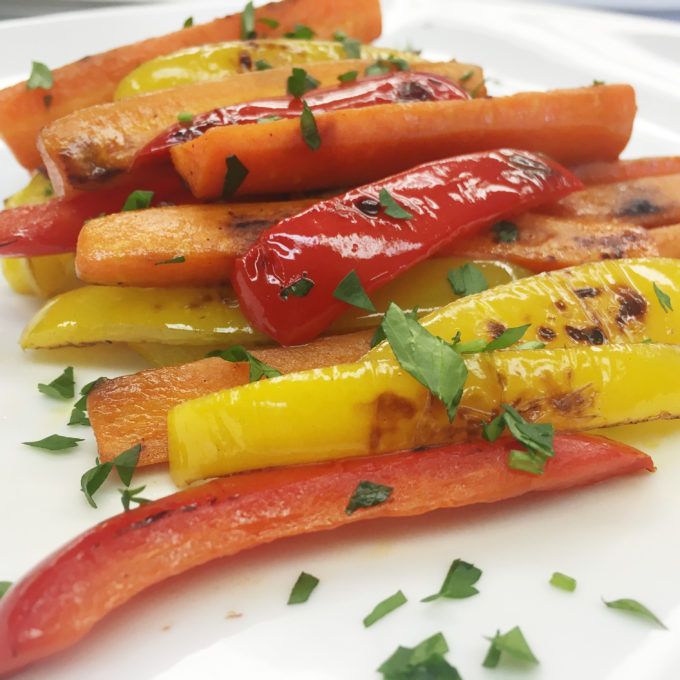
(403, 86)
(62, 598)
(53, 227)
(448, 199)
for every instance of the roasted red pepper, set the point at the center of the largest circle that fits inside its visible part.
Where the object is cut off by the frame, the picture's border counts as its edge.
(402, 86)
(62, 598)
(285, 282)
(53, 227)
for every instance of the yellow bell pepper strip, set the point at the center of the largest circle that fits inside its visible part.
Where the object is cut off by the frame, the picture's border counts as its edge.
(374, 407)
(220, 60)
(211, 316)
(38, 190)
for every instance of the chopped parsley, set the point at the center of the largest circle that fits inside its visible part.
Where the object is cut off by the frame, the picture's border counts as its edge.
(467, 280)
(505, 232)
(382, 66)
(300, 32)
(310, 132)
(635, 607)
(298, 288)
(429, 359)
(178, 259)
(124, 464)
(513, 643)
(459, 582)
(303, 588)
(78, 417)
(185, 117)
(351, 291)
(392, 208)
(300, 82)
(366, 495)
(262, 65)
(507, 338)
(466, 76)
(188, 22)
(248, 22)
(425, 660)
(236, 173)
(379, 334)
(55, 442)
(128, 496)
(269, 119)
(41, 77)
(4, 587)
(61, 387)
(79, 411)
(238, 353)
(663, 298)
(388, 605)
(138, 200)
(272, 23)
(597, 83)
(563, 582)
(351, 46)
(348, 76)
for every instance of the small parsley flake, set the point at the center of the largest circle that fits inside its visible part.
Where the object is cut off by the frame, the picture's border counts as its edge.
(663, 298)
(299, 288)
(236, 174)
(178, 259)
(303, 588)
(55, 442)
(458, 583)
(300, 32)
(138, 200)
(61, 387)
(366, 495)
(351, 291)
(188, 22)
(384, 608)
(41, 77)
(392, 207)
(237, 353)
(308, 127)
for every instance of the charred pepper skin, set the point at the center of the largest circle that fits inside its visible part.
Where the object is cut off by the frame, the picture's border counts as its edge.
(447, 199)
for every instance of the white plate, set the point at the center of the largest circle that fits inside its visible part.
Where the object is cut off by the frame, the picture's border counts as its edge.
(620, 539)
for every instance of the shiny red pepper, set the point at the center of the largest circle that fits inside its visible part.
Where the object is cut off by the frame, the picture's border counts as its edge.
(61, 599)
(403, 86)
(314, 250)
(53, 227)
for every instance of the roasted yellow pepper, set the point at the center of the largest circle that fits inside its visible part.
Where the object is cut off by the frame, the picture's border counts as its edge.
(207, 316)
(219, 60)
(375, 406)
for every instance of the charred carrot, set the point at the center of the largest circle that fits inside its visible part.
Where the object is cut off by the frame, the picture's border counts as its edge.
(64, 596)
(93, 80)
(603, 172)
(357, 146)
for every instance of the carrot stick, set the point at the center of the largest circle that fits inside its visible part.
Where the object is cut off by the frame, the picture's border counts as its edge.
(134, 408)
(92, 146)
(361, 145)
(64, 596)
(93, 79)
(622, 170)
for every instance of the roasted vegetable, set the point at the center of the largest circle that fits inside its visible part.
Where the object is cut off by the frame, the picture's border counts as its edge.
(66, 595)
(571, 126)
(623, 170)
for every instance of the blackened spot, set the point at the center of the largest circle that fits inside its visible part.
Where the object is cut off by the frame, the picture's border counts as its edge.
(47, 100)
(560, 305)
(631, 306)
(149, 520)
(587, 292)
(4, 244)
(97, 174)
(592, 335)
(414, 92)
(546, 334)
(245, 61)
(496, 329)
(368, 206)
(637, 207)
(251, 224)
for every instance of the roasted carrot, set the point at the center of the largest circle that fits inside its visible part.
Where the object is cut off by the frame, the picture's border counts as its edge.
(127, 247)
(64, 596)
(93, 79)
(94, 145)
(359, 146)
(602, 172)
(133, 408)
(648, 201)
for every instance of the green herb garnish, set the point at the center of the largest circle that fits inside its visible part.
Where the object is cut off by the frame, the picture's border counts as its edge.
(41, 77)
(55, 442)
(505, 232)
(424, 661)
(298, 288)
(351, 291)
(467, 280)
(597, 83)
(351, 46)
(124, 464)
(300, 82)
(61, 387)
(382, 66)
(466, 76)
(310, 132)
(269, 119)
(236, 173)
(303, 588)
(4, 587)
(531, 344)
(248, 22)
(185, 117)
(392, 208)
(635, 607)
(348, 76)
(379, 334)
(459, 582)
(239, 354)
(385, 607)
(512, 643)
(663, 298)
(262, 65)
(188, 22)
(563, 582)
(300, 32)
(138, 200)
(272, 23)
(178, 259)
(128, 496)
(366, 495)
(78, 417)
(507, 338)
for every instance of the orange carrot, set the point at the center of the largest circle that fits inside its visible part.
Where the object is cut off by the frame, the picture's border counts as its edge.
(93, 79)
(622, 170)
(94, 145)
(361, 145)
(133, 408)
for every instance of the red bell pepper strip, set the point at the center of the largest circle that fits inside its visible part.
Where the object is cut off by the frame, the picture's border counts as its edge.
(403, 86)
(62, 598)
(285, 282)
(53, 227)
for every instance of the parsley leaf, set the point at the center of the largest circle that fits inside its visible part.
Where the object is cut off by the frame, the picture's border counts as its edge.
(269, 119)
(41, 77)
(597, 83)
(138, 200)
(300, 32)
(310, 132)
(531, 344)
(298, 288)
(351, 46)
(78, 417)
(236, 173)
(379, 334)
(124, 463)
(512, 643)
(91, 385)
(382, 66)
(238, 353)
(467, 280)
(262, 65)
(383, 608)
(61, 387)
(425, 660)
(348, 76)
(55, 442)
(392, 208)
(663, 298)
(366, 495)
(351, 291)
(634, 607)
(248, 22)
(563, 582)
(178, 259)
(507, 338)
(505, 232)
(272, 23)
(185, 117)
(466, 76)
(188, 22)
(459, 582)
(430, 360)
(4, 587)
(300, 82)
(128, 496)
(526, 461)
(303, 588)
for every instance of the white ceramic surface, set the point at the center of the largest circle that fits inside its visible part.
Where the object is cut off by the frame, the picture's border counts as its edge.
(620, 539)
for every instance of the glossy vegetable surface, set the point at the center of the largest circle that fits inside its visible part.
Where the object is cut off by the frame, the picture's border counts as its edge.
(362, 145)
(64, 597)
(627, 169)
(440, 202)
